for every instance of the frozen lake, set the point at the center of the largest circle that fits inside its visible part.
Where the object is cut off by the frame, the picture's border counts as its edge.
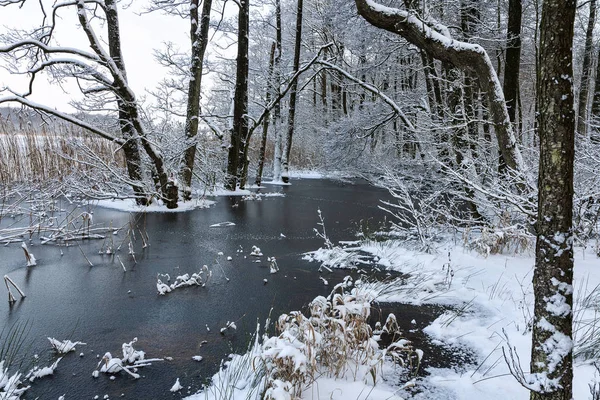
(105, 307)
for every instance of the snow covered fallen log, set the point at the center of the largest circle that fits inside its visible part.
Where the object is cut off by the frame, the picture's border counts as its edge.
(196, 279)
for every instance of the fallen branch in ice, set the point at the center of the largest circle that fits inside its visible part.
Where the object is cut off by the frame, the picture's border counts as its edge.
(38, 372)
(135, 358)
(221, 224)
(196, 279)
(65, 346)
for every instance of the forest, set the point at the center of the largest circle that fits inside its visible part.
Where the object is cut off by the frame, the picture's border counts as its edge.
(480, 119)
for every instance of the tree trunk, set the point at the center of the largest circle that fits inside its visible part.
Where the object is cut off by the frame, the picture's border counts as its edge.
(199, 40)
(263, 142)
(459, 54)
(512, 66)
(595, 115)
(239, 131)
(277, 111)
(551, 356)
(293, 96)
(133, 159)
(585, 72)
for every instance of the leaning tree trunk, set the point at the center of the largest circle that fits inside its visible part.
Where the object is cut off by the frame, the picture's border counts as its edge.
(551, 355)
(462, 55)
(293, 97)
(240, 100)
(585, 72)
(199, 39)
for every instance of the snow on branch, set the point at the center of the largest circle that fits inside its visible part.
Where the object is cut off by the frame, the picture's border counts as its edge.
(277, 99)
(59, 114)
(433, 38)
(371, 89)
(29, 43)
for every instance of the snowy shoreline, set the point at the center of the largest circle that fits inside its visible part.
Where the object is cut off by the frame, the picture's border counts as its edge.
(492, 308)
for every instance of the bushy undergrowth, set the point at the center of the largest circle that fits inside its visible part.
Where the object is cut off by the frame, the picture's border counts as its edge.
(334, 339)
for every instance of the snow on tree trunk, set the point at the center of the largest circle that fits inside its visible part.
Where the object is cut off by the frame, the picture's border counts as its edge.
(240, 101)
(199, 39)
(551, 356)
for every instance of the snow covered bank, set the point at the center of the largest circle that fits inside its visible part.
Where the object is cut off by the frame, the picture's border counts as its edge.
(492, 313)
(129, 205)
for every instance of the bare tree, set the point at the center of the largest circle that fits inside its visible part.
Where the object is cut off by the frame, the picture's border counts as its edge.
(102, 76)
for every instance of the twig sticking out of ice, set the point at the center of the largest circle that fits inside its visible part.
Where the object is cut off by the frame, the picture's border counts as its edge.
(31, 261)
(130, 355)
(273, 267)
(220, 224)
(176, 387)
(228, 325)
(38, 372)
(325, 281)
(11, 298)
(65, 346)
(256, 251)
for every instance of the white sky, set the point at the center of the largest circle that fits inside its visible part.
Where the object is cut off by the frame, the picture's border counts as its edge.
(140, 35)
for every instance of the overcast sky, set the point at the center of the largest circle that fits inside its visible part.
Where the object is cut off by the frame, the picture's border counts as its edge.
(140, 36)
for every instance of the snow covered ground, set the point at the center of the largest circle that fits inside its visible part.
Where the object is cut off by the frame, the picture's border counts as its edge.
(129, 205)
(490, 302)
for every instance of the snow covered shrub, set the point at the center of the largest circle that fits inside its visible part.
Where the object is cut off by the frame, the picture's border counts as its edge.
(419, 213)
(499, 240)
(335, 340)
